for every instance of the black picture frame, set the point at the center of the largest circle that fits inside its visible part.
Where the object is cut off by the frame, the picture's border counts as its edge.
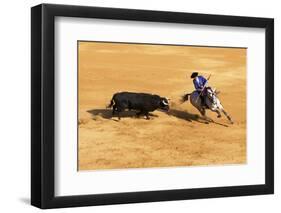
(43, 111)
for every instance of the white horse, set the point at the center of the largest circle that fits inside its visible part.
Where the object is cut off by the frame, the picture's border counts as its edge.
(211, 102)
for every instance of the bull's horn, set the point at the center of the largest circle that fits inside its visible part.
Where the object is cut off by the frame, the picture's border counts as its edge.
(165, 103)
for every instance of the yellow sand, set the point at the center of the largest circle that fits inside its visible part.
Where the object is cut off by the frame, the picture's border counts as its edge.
(175, 139)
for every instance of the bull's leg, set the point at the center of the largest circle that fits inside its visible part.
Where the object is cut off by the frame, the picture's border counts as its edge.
(147, 115)
(113, 110)
(118, 113)
(228, 117)
(139, 113)
(143, 113)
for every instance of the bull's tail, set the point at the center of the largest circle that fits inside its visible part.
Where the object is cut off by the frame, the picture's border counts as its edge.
(184, 98)
(111, 103)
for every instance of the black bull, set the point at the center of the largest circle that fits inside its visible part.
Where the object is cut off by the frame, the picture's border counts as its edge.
(141, 102)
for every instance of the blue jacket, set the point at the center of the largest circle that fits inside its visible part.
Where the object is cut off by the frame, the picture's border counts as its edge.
(199, 82)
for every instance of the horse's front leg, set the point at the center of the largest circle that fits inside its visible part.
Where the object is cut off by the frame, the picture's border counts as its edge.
(219, 113)
(228, 117)
(220, 108)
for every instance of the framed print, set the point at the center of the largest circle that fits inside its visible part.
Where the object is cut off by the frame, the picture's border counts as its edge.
(136, 106)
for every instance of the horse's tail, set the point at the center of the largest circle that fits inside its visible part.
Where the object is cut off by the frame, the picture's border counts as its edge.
(184, 97)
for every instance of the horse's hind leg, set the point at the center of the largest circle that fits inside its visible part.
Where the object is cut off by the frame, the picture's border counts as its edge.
(205, 117)
(203, 114)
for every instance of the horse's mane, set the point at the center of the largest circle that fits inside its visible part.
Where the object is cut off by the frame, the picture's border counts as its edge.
(209, 88)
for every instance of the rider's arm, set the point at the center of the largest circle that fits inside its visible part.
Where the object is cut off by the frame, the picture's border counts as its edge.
(203, 80)
(196, 84)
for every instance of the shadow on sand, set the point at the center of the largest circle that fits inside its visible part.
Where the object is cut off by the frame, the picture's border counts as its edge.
(186, 116)
(191, 117)
(107, 113)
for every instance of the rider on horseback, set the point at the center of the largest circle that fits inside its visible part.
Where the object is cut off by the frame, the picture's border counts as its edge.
(207, 96)
(199, 84)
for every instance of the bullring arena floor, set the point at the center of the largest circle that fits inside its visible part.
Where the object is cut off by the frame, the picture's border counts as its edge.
(175, 139)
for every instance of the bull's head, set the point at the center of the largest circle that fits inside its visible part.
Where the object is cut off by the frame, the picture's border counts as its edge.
(164, 104)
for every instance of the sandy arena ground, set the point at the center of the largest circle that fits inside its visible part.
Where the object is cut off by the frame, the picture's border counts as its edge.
(175, 139)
